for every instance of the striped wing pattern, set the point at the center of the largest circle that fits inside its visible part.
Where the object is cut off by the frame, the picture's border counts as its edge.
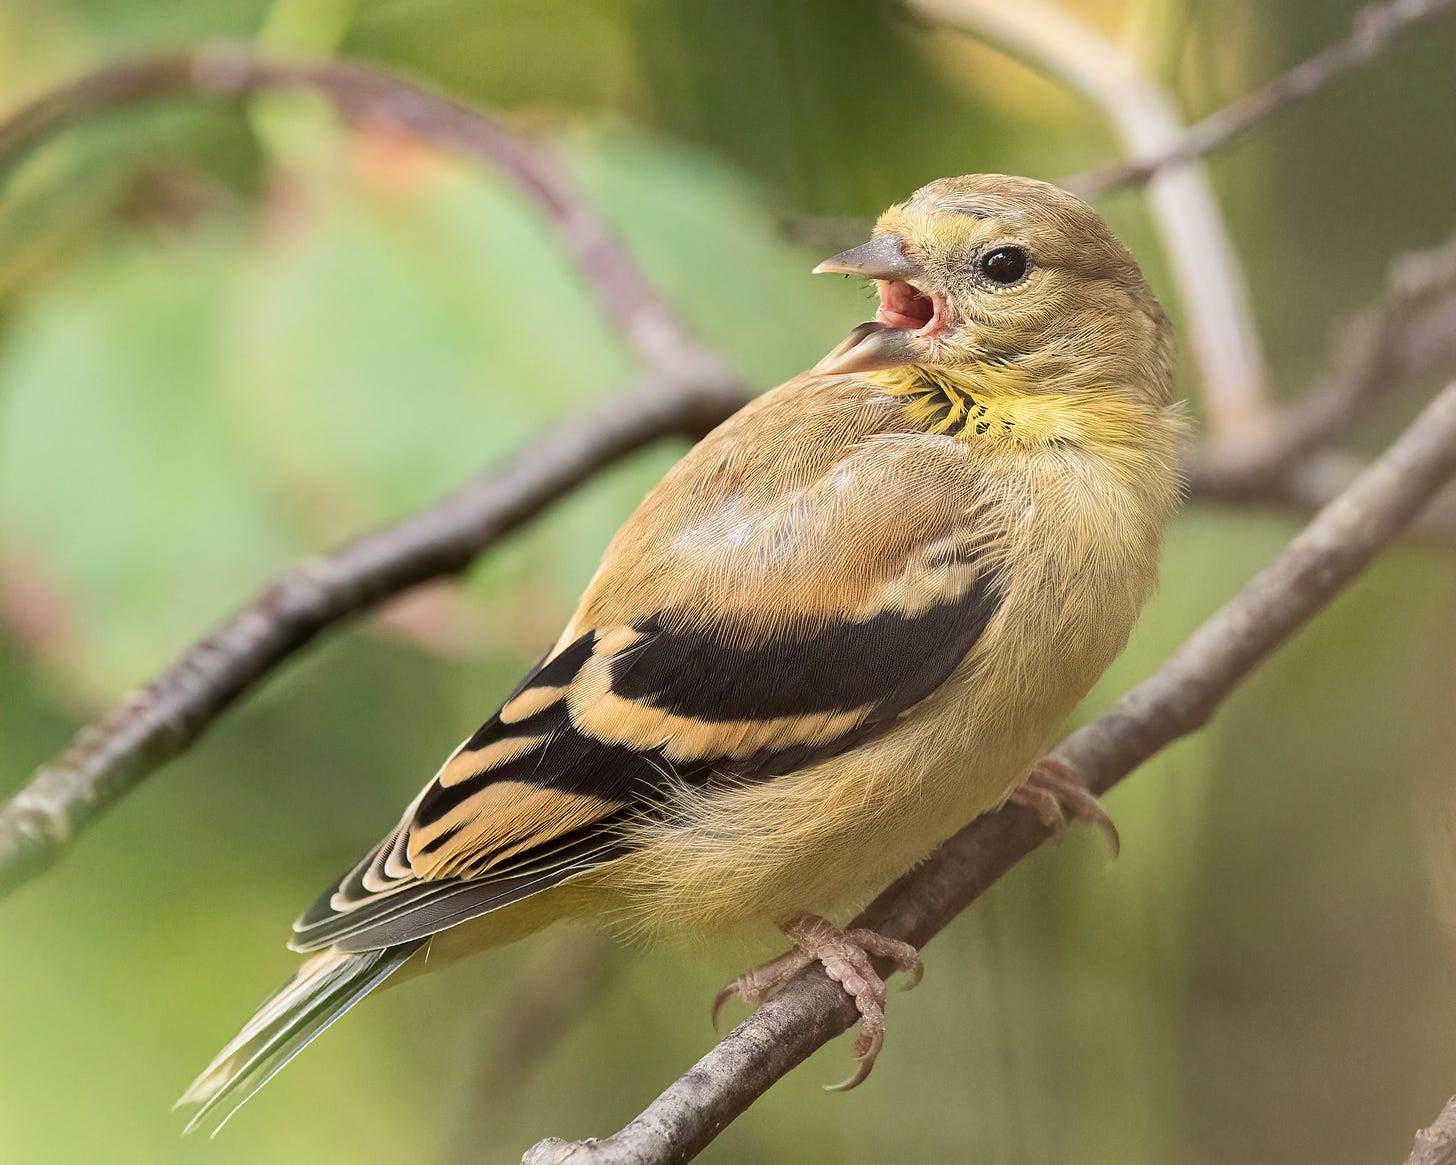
(599, 735)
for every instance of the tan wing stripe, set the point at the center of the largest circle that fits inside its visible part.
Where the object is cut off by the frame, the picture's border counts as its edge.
(508, 813)
(465, 765)
(529, 702)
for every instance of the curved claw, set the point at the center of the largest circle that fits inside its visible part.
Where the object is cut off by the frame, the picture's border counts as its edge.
(1100, 820)
(866, 1057)
(761, 982)
(721, 998)
(1057, 794)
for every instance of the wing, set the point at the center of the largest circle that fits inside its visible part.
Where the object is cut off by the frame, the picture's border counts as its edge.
(806, 574)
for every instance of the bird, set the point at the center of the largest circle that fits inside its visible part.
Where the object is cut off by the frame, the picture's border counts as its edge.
(845, 624)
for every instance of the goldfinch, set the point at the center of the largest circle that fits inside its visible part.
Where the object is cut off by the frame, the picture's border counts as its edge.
(846, 623)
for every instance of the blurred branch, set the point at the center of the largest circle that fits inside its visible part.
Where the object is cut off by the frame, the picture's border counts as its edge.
(689, 393)
(555, 991)
(1202, 257)
(1437, 1144)
(1311, 484)
(1375, 28)
(113, 755)
(1408, 331)
(1180, 698)
(371, 96)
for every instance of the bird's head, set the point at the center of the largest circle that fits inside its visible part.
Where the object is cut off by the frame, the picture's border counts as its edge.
(1009, 274)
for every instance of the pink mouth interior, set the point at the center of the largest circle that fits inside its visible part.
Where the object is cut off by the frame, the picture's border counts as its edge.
(903, 305)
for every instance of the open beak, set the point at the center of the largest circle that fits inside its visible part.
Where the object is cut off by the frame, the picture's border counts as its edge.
(906, 321)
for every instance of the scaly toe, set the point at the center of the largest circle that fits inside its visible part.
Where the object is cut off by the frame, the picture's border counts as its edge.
(761, 982)
(1056, 793)
(845, 956)
(905, 958)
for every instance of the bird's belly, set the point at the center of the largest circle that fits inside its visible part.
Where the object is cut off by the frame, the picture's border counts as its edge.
(836, 833)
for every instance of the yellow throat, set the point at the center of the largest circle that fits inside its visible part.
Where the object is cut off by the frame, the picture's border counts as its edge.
(996, 406)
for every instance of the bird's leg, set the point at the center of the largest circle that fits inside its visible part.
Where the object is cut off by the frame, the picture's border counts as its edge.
(846, 956)
(1057, 794)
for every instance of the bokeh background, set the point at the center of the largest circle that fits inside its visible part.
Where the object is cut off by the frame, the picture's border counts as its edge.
(234, 334)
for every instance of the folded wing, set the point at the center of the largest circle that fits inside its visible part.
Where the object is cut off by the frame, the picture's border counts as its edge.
(797, 582)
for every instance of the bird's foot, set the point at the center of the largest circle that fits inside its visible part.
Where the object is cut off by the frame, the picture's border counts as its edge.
(1057, 794)
(846, 956)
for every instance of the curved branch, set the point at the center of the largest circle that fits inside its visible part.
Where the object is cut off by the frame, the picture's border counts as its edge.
(372, 96)
(691, 393)
(1331, 551)
(1375, 29)
(112, 756)
(1408, 331)
(1210, 279)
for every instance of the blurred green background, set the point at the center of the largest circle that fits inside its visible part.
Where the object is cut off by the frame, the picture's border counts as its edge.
(231, 335)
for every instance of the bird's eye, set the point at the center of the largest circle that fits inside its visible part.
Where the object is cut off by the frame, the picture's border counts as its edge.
(1003, 266)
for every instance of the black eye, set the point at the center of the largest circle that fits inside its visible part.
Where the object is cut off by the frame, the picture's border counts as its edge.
(1004, 266)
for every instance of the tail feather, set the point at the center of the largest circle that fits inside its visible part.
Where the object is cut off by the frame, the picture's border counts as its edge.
(321, 991)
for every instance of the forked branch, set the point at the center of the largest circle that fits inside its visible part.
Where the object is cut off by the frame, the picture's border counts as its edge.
(1376, 28)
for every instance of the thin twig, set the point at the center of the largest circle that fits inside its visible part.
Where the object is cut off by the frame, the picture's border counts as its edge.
(112, 756)
(371, 96)
(163, 720)
(1180, 698)
(1203, 260)
(1309, 485)
(1375, 28)
(690, 394)
(1409, 330)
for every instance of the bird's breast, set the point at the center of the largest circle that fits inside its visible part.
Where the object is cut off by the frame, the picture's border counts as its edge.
(1078, 550)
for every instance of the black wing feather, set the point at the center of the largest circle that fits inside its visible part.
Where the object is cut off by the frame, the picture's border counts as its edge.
(883, 664)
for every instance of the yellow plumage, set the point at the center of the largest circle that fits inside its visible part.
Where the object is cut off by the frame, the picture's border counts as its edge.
(845, 624)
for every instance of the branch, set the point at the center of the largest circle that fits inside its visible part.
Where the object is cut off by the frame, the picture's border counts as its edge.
(1376, 27)
(1311, 484)
(556, 990)
(113, 755)
(1210, 279)
(1180, 698)
(371, 96)
(1405, 333)
(690, 393)
(1437, 1144)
